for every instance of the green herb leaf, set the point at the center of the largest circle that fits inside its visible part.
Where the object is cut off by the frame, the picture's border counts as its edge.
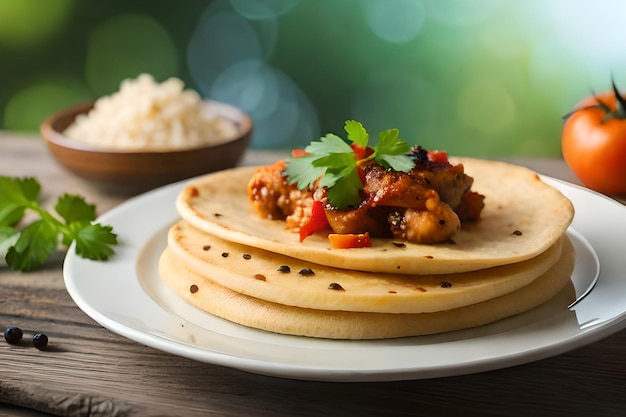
(7, 233)
(302, 172)
(74, 208)
(333, 162)
(34, 246)
(328, 144)
(16, 194)
(389, 143)
(93, 241)
(31, 247)
(8, 237)
(11, 214)
(356, 132)
(391, 151)
(345, 190)
(396, 162)
(19, 191)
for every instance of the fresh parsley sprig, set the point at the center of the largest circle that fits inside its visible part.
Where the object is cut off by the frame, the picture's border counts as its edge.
(30, 247)
(333, 162)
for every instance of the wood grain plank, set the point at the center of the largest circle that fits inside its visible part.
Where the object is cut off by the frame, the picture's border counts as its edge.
(90, 371)
(87, 364)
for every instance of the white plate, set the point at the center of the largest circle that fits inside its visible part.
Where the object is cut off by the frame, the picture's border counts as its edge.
(126, 296)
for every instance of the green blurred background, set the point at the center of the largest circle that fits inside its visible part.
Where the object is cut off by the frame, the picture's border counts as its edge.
(481, 78)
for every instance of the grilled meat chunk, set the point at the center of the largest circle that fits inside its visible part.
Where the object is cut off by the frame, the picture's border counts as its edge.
(273, 197)
(425, 205)
(450, 181)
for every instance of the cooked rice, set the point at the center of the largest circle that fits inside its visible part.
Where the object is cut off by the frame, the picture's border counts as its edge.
(144, 114)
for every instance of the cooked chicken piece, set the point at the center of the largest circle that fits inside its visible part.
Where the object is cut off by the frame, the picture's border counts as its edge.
(394, 189)
(397, 205)
(299, 209)
(273, 198)
(450, 181)
(267, 190)
(384, 192)
(437, 223)
(470, 206)
(364, 218)
(425, 205)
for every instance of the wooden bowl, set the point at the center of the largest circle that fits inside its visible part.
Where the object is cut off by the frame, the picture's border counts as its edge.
(127, 172)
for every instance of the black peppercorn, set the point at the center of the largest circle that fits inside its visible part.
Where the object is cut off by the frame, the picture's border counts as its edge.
(40, 341)
(13, 335)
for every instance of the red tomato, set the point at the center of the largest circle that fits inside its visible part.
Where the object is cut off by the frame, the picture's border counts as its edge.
(349, 240)
(594, 143)
(316, 223)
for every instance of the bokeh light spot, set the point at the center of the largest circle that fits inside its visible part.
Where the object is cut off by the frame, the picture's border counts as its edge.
(503, 43)
(486, 107)
(463, 12)
(592, 47)
(250, 85)
(267, 35)
(283, 115)
(126, 46)
(27, 107)
(219, 41)
(395, 99)
(261, 10)
(545, 74)
(395, 21)
(27, 23)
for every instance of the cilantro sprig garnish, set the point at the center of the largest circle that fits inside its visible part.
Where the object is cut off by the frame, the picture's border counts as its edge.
(335, 163)
(29, 248)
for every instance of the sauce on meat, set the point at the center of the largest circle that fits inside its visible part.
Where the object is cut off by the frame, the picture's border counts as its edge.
(425, 205)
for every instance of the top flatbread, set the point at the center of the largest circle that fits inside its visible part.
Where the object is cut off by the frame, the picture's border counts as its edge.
(523, 217)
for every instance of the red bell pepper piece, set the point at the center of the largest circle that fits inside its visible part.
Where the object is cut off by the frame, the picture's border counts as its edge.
(438, 156)
(349, 240)
(361, 153)
(297, 153)
(316, 223)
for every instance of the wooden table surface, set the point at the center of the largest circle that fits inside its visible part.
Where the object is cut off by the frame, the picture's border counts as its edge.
(90, 371)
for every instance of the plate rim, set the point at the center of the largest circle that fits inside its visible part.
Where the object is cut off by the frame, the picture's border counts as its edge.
(584, 336)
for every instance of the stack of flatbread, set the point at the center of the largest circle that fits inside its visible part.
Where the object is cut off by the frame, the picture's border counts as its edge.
(226, 260)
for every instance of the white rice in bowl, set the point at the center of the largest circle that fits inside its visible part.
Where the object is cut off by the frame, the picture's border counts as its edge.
(146, 115)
